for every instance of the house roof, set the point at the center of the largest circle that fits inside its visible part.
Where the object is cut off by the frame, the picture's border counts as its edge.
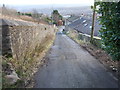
(84, 25)
(72, 18)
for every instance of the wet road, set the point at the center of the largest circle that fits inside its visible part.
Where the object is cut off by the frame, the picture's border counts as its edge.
(70, 66)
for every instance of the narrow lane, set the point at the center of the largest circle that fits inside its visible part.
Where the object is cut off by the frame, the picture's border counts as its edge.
(70, 66)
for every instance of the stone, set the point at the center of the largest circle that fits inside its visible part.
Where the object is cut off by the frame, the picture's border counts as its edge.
(114, 69)
(12, 78)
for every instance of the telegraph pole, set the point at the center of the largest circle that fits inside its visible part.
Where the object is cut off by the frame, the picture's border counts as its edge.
(51, 12)
(93, 23)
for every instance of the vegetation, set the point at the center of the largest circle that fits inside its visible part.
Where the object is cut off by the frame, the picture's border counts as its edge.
(56, 17)
(25, 68)
(8, 11)
(110, 30)
(27, 14)
(47, 19)
(33, 16)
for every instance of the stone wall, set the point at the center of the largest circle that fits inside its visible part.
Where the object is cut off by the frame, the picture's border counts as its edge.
(24, 44)
(20, 37)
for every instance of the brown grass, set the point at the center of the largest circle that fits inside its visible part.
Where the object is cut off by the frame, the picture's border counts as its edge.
(26, 18)
(27, 67)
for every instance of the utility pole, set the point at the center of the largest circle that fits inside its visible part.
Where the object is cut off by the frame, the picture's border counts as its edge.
(93, 23)
(52, 12)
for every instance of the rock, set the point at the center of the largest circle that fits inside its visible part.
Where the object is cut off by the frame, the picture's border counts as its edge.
(111, 66)
(12, 78)
(114, 69)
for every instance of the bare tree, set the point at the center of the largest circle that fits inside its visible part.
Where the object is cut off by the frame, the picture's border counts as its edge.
(36, 15)
(8, 11)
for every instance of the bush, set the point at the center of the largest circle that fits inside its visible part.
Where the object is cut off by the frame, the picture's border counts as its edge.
(110, 30)
(28, 14)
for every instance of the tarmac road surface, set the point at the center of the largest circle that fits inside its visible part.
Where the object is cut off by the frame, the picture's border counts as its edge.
(70, 66)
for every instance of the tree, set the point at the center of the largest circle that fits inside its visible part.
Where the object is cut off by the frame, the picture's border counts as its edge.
(55, 12)
(56, 16)
(36, 15)
(8, 11)
(110, 30)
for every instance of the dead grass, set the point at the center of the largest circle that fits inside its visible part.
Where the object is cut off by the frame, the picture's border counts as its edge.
(26, 18)
(22, 18)
(27, 67)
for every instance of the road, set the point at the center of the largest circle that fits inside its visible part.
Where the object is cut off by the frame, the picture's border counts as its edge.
(70, 66)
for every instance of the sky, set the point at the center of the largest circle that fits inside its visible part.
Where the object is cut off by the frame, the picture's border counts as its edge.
(43, 2)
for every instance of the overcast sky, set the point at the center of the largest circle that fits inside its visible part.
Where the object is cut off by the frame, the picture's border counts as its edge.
(39, 2)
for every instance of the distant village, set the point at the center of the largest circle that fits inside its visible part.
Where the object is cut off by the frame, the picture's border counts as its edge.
(82, 22)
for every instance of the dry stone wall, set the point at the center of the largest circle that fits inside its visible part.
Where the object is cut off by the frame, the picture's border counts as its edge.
(21, 37)
(23, 44)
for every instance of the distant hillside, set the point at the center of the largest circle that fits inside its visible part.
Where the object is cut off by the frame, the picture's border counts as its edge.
(68, 10)
(63, 9)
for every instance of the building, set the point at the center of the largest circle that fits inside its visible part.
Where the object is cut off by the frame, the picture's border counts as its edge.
(84, 25)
